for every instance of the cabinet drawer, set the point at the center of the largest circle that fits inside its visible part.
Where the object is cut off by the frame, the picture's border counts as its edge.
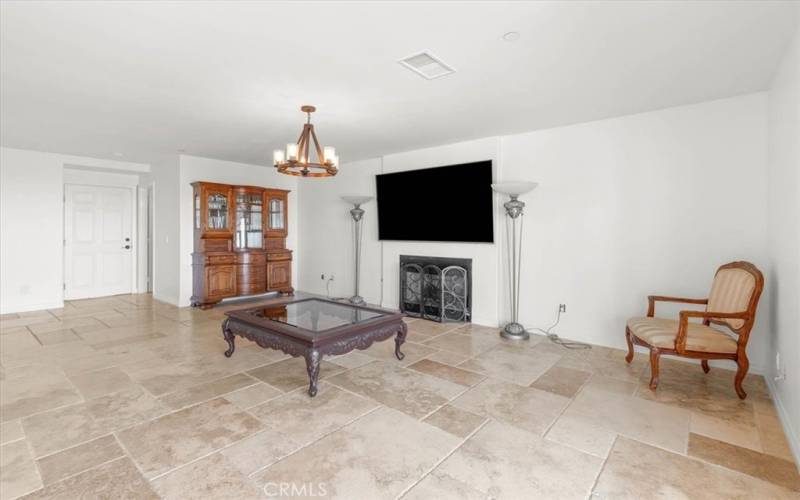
(276, 256)
(220, 259)
(255, 259)
(251, 274)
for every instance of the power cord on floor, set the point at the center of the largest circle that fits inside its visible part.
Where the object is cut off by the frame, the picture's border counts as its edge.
(568, 344)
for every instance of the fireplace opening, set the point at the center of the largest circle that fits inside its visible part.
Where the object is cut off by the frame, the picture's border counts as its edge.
(436, 288)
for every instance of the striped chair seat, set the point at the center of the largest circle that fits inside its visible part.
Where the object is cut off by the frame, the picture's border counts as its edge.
(659, 332)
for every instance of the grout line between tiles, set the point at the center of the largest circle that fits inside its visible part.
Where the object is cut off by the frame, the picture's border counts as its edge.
(129, 455)
(372, 410)
(267, 428)
(440, 462)
(602, 468)
(121, 429)
(92, 467)
(466, 389)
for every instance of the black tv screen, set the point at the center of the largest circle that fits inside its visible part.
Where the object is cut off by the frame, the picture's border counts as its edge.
(452, 203)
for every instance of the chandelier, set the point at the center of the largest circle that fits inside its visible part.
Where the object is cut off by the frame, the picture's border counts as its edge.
(297, 160)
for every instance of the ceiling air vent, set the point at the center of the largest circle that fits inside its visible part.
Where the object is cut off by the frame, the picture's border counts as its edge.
(426, 65)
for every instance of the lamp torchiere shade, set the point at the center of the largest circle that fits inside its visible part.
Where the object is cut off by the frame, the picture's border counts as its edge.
(514, 211)
(297, 159)
(514, 189)
(357, 213)
(357, 200)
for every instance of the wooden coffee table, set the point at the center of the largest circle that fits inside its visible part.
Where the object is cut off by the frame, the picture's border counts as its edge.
(313, 327)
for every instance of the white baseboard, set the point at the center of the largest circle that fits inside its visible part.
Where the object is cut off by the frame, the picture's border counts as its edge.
(788, 426)
(167, 299)
(17, 308)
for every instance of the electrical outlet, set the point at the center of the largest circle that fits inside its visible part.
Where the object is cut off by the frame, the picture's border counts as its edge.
(780, 370)
(562, 308)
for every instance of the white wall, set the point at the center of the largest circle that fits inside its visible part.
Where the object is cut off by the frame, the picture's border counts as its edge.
(166, 234)
(626, 207)
(31, 230)
(644, 204)
(783, 281)
(31, 224)
(326, 233)
(192, 169)
(94, 178)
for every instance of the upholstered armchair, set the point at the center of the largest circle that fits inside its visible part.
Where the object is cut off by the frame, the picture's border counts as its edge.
(731, 304)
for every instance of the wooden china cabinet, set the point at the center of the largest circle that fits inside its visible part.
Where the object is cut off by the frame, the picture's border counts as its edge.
(239, 242)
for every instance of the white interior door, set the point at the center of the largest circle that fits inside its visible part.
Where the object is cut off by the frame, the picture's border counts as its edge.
(98, 246)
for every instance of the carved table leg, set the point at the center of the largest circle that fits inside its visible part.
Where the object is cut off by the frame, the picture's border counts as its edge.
(398, 341)
(313, 358)
(228, 334)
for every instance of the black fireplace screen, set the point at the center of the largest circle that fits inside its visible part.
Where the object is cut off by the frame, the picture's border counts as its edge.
(435, 288)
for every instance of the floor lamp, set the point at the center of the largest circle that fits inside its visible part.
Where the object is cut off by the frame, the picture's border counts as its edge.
(514, 330)
(357, 213)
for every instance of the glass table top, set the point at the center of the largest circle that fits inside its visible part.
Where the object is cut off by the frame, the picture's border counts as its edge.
(316, 315)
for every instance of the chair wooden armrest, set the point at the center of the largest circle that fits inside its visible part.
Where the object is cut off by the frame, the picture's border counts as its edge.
(651, 302)
(683, 326)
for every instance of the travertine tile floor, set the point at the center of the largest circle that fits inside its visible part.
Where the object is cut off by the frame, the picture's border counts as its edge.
(126, 397)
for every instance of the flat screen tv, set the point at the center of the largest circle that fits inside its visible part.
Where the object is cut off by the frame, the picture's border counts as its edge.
(452, 203)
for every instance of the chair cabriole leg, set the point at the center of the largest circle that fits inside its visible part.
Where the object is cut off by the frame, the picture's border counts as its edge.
(741, 373)
(704, 363)
(628, 338)
(654, 356)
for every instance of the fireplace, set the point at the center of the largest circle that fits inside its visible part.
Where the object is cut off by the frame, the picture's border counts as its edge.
(436, 288)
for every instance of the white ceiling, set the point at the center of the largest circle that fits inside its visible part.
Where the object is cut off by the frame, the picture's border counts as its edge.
(226, 80)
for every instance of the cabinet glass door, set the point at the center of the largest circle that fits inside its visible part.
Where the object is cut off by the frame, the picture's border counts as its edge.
(249, 229)
(217, 211)
(276, 213)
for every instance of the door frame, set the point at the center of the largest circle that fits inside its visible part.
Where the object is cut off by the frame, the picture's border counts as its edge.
(144, 247)
(134, 232)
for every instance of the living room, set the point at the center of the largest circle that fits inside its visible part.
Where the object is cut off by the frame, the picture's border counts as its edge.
(519, 250)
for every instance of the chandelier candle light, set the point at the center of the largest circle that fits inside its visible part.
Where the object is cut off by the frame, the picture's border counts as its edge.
(297, 158)
(514, 330)
(357, 213)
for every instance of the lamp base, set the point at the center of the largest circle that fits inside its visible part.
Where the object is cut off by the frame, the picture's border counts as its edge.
(514, 331)
(357, 300)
